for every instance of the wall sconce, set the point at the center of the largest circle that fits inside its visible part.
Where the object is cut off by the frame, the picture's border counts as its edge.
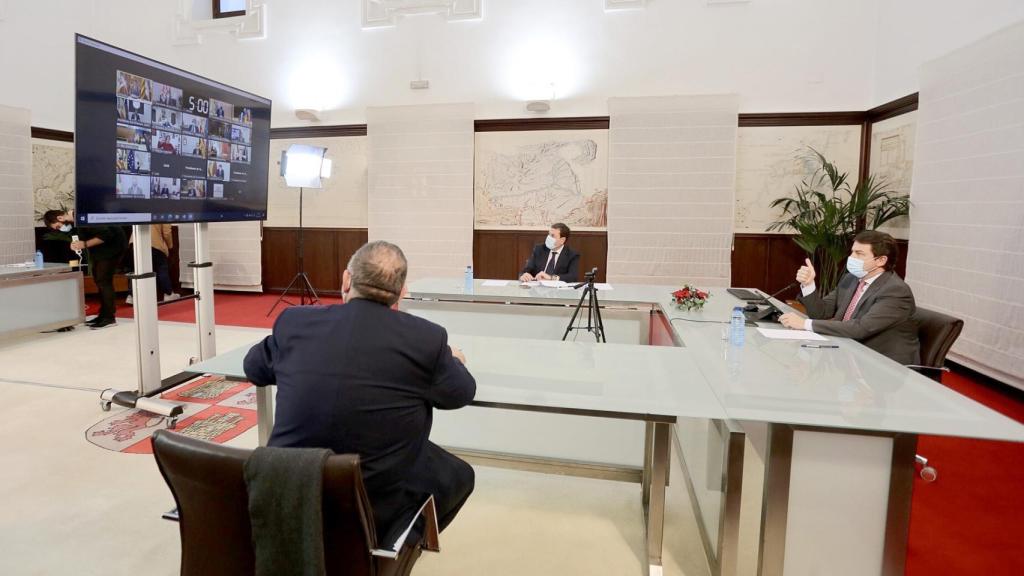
(538, 106)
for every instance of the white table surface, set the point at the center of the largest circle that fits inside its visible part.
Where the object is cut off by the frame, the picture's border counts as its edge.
(622, 381)
(776, 381)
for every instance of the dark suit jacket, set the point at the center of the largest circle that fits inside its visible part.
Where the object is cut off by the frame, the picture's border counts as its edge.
(567, 268)
(883, 320)
(362, 378)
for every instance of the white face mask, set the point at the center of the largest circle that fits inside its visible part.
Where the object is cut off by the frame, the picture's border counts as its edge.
(549, 242)
(855, 266)
(65, 228)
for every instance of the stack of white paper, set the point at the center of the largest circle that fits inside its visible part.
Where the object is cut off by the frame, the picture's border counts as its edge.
(785, 334)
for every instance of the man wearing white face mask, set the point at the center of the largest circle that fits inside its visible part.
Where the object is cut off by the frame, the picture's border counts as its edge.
(871, 304)
(104, 246)
(553, 260)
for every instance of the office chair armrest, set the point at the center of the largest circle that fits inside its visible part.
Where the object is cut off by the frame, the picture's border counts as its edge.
(919, 368)
(430, 537)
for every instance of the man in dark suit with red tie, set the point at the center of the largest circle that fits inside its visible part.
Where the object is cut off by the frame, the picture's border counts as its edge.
(871, 304)
(553, 260)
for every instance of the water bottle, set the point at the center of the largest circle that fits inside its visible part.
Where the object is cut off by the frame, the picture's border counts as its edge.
(39, 258)
(736, 332)
(469, 280)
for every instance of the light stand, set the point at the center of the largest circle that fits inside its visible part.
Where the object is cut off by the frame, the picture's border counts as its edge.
(302, 167)
(595, 324)
(300, 276)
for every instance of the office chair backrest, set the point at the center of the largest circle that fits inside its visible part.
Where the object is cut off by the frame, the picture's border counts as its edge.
(208, 485)
(937, 333)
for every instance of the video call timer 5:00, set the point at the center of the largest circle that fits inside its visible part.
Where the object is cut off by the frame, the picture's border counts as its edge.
(198, 104)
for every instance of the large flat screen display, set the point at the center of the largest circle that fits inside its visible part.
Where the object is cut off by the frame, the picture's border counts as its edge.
(156, 144)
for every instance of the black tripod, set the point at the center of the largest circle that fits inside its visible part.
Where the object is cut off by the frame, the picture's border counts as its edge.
(305, 286)
(594, 322)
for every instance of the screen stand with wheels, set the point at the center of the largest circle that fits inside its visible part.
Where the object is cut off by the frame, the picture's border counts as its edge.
(146, 327)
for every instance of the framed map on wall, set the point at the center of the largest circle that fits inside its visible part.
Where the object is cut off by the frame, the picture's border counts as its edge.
(768, 166)
(53, 176)
(532, 179)
(892, 159)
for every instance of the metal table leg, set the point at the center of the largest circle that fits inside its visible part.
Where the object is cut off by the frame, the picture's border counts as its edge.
(264, 413)
(656, 465)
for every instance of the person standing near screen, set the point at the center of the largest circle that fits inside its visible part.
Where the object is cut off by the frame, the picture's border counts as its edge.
(553, 260)
(105, 246)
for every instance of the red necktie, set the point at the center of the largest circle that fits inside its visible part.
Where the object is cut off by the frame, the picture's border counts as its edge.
(853, 302)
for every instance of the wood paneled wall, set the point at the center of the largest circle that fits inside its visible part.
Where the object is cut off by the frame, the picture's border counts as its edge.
(503, 253)
(770, 261)
(326, 252)
(765, 261)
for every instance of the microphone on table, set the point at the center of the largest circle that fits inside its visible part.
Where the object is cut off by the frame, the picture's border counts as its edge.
(753, 313)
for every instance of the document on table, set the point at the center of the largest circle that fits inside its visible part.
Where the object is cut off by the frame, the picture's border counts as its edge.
(553, 283)
(603, 286)
(785, 334)
(495, 282)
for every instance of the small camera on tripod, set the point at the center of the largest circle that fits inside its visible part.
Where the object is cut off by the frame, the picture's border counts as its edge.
(595, 325)
(588, 278)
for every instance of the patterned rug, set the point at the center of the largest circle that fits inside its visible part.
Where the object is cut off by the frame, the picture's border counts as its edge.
(215, 409)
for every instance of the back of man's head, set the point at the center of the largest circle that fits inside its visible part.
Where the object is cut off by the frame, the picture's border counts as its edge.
(378, 272)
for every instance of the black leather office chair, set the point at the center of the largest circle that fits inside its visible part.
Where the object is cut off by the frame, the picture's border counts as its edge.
(209, 488)
(937, 332)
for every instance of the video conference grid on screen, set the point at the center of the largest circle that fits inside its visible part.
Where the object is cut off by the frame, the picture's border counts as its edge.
(181, 148)
(178, 146)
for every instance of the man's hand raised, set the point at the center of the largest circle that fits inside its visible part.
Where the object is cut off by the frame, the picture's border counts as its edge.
(805, 275)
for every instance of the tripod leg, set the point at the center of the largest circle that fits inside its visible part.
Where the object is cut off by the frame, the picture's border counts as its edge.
(283, 294)
(597, 313)
(307, 285)
(574, 314)
(592, 312)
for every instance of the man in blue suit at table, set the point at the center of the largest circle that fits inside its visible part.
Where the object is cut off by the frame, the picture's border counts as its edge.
(364, 378)
(553, 260)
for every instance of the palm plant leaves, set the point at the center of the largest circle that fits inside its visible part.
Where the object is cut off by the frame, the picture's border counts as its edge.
(825, 213)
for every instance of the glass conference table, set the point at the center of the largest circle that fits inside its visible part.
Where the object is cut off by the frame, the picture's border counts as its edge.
(834, 430)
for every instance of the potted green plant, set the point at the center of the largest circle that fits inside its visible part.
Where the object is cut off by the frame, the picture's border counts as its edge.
(825, 213)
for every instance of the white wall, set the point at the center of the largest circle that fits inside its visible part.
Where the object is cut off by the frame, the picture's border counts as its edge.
(912, 32)
(16, 240)
(778, 55)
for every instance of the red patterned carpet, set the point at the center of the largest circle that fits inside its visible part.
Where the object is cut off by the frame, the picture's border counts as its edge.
(216, 410)
(968, 522)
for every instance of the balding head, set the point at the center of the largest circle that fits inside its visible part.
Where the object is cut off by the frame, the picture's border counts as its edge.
(376, 272)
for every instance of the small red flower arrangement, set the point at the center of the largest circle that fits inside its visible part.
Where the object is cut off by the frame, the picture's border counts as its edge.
(690, 298)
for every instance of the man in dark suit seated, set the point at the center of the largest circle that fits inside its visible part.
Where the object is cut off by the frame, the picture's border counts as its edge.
(364, 378)
(553, 260)
(871, 304)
